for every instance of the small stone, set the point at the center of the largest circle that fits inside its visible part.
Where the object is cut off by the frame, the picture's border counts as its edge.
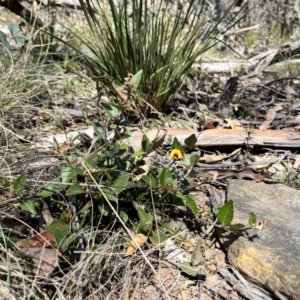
(104, 99)
(208, 254)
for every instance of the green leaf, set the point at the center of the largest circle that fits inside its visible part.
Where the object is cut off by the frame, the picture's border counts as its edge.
(126, 136)
(168, 117)
(79, 171)
(178, 199)
(189, 270)
(145, 143)
(75, 189)
(65, 243)
(191, 141)
(143, 228)
(59, 229)
(50, 189)
(56, 145)
(136, 79)
(197, 254)
(104, 209)
(19, 183)
(110, 195)
(191, 204)
(225, 214)
(157, 238)
(124, 216)
(237, 227)
(195, 158)
(151, 180)
(29, 206)
(85, 209)
(66, 174)
(252, 219)
(143, 216)
(166, 177)
(138, 153)
(187, 161)
(111, 111)
(121, 182)
(65, 217)
(99, 130)
(176, 145)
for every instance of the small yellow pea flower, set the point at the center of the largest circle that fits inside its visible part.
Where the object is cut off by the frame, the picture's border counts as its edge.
(176, 154)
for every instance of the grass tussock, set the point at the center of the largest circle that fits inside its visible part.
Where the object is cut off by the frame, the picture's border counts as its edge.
(154, 43)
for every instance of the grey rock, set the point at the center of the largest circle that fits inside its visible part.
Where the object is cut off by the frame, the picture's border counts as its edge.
(269, 256)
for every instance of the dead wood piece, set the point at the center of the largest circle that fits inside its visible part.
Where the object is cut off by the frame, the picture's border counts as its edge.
(239, 137)
(72, 3)
(29, 167)
(258, 62)
(222, 66)
(247, 172)
(241, 163)
(270, 117)
(274, 291)
(240, 284)
(263, 60)
(280, 79)
(240, 30)
(282, 64)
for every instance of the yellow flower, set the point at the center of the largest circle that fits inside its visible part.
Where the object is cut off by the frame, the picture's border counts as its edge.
(176, 154)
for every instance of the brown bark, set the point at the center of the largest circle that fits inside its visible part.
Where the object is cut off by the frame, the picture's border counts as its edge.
(240, 137)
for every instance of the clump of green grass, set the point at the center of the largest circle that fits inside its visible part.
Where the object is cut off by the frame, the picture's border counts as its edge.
(134, 38)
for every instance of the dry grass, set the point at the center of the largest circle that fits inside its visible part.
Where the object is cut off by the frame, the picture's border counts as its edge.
(101, 271)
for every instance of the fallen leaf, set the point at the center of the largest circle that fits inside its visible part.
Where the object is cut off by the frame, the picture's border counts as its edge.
(211, 158)
(214, 158)
(297, 162)
(45, 259)
(155, 136)
(61, 138)
(40, 240)
(236, 151)
(138, 239)
(46, 213)
(209, 126)
(234, 124)
(289, 90)
(271, 115)
(64, 148)
(261, 159)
